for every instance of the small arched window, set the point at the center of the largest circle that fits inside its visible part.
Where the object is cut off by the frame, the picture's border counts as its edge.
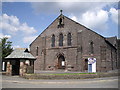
(53, 40)
(69, 39)
(61, 39)
(91, 47)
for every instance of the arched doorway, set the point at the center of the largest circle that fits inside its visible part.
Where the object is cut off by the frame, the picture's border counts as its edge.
(61, 62)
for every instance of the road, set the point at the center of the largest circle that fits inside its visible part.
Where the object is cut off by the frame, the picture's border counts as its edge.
(18, 82)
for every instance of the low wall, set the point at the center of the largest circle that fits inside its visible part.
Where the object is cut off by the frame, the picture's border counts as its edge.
(80, 76)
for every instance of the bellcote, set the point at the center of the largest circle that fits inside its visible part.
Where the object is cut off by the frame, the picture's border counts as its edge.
(61, 20)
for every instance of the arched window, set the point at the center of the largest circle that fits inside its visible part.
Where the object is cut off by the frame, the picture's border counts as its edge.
(61, 39)
(53, 40)
(36, 51)
(69, 39)
(91, 47)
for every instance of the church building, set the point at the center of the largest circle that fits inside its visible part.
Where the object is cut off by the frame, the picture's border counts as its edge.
(69, 46)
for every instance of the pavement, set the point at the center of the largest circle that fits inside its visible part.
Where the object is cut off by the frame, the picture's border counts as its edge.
(18, 82)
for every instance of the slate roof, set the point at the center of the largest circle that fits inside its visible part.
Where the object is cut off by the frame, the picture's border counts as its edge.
(21, 53)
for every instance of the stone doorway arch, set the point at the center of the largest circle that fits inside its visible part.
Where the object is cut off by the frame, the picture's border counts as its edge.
(61, 61)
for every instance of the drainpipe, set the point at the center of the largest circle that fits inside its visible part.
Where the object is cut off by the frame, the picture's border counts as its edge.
(79, 46)
(45, 53)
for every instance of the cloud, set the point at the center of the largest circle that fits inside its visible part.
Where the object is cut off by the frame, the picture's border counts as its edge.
(9, 23)
(15, 30)
(12, 25)
(29, 39)
(74, 18)
(95, 20)
(8, 36)
(114, 15)
(17, 46)
(94, 15)
(1, 35)
(67, 7)
(26, 29)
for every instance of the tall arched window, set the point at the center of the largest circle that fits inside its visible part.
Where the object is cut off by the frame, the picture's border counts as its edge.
(69, 39)
(36, 51)
(53, 40)
(91, 47)
(61, 39)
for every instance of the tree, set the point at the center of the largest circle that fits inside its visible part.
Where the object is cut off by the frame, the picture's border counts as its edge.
(5, 48)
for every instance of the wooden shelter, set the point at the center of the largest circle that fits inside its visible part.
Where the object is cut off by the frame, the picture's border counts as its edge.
(19, 62)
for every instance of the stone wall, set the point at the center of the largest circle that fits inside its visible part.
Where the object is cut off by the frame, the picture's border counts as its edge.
(9, 68)
(118, 53)
(75, 54)
(23, 68)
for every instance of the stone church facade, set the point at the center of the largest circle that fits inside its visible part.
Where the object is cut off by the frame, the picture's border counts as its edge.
(67, 45)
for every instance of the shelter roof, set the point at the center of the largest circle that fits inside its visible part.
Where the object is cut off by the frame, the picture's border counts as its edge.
(21, 53)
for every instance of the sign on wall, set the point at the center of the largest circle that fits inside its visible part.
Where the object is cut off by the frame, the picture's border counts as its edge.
(91, 64)
(63, 63)
(91, 60)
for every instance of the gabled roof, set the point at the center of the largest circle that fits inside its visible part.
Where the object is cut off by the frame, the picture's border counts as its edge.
(46, 28)
(21, 53)
(69, 19)
(109, 41)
